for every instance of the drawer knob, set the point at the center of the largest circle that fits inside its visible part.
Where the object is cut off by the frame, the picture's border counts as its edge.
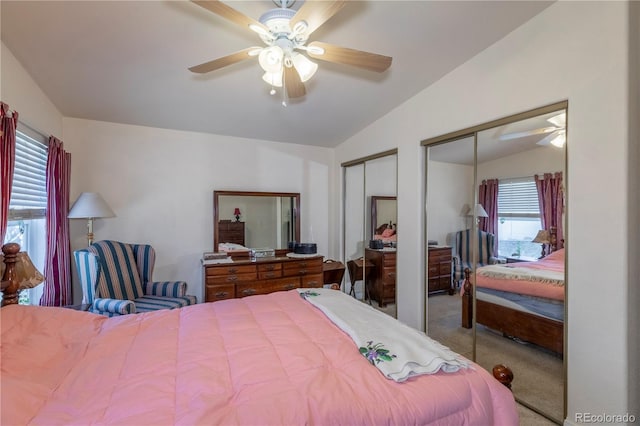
(233, 270)
(249, 291)
(222, 294)
(269, 275)
(290, 286)
(232, 278)
(303, 272)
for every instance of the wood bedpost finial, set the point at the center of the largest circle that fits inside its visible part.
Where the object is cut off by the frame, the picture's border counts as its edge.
(503, 374)
(467, 300)
(10, 284)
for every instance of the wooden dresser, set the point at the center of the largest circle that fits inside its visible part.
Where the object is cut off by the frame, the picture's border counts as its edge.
(231, 232)
(248, 277)
(440, 269)
(382, 278)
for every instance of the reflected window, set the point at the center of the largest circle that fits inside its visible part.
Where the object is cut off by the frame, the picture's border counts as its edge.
(518, 218)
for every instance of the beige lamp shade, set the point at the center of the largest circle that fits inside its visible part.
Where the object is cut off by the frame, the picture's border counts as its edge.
(479, 211)
(90, 205)
(27, 274)
(542, 237)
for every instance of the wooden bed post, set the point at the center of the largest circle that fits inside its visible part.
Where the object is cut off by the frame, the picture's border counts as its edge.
(10, 284)
(503, 374)
(467, 300)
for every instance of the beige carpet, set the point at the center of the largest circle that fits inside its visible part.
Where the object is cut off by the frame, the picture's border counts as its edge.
(538, 373)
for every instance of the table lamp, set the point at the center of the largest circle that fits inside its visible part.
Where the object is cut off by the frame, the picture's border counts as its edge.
(18, 273)
(90, 205)
(543, 237)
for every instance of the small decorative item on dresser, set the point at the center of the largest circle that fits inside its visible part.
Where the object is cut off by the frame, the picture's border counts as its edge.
(237, 214)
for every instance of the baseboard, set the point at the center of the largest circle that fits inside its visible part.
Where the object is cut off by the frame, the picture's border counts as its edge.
(568, 422)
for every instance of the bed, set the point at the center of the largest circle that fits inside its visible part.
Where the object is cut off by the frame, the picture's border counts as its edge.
(280, 358)
(524, 300)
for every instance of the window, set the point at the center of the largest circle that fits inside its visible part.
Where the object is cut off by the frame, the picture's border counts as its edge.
(518, 218)
(27, 207)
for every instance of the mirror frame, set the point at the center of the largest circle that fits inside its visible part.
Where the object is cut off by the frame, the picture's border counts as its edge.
(216, 218)
(374, 210)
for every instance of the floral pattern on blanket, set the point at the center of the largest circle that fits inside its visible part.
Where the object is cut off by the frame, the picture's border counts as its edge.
(309, 293)
(376, 353)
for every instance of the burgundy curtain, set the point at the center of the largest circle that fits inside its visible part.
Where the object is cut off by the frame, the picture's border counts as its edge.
(57, 286)
(7, 162)
(488, 198)
(551, 201)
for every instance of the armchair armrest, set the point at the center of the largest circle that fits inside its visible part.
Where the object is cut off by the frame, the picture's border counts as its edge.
(112, 307)
(495, 260)
(165, 288)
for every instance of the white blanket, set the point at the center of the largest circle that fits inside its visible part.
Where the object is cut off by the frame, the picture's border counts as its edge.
(397, 350)
(520, 273)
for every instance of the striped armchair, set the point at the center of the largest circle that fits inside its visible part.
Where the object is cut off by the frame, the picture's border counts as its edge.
(116, 280)
(462, 252)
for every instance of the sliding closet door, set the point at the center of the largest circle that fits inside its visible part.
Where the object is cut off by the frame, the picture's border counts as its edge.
(354, 224)
(521, 329)
(450, 192)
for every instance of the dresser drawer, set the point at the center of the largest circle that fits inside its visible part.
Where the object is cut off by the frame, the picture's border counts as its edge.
(389, 292)
(302, 267)
(231, 279)
(445, 268)
(389, 259)
(230, 269)
(315, 280)
(267, 286)
(389, 276)
(220, 292)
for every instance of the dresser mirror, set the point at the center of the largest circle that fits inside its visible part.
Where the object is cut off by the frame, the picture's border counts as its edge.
(256, 219)
(369, 191)
(502, 183)
(384, 218)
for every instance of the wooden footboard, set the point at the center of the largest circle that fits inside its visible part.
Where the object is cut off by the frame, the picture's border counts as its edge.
(10, 284)
(541, 331)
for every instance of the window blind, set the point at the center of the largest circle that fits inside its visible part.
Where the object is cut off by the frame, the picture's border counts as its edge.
(29, 189)
(518, 197)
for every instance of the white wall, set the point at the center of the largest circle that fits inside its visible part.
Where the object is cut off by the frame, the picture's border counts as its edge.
(18, 89)
(160, 184)
(576, 51)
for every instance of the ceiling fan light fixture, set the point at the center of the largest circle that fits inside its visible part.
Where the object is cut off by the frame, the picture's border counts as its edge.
(274, 79)
(305, 67)
(271, 58)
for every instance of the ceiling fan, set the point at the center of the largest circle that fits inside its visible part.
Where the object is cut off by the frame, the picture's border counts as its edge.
(555, 134)
(285, 33)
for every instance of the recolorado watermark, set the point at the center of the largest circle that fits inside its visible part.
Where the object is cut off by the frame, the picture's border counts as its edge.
(605, 418)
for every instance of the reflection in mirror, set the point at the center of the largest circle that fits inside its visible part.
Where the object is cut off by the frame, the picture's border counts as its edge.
(512, 204)
(256, 219)
(384, 220)
(520, 173)
(369, 196)
(450, 177)
(381, 181)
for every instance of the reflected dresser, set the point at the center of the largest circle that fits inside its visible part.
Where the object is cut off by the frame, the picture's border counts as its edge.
(382, 278)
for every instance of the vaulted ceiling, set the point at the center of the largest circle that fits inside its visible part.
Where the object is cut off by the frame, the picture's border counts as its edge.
(126, 62)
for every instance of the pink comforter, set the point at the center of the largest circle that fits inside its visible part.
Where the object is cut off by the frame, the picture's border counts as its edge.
(553, 262)
(261, 360)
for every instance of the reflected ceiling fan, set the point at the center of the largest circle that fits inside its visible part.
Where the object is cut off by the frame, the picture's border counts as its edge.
(285, 33)
(555, 134)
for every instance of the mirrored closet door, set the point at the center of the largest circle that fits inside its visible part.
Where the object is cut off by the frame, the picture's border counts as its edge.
(510, 293)
(371, 230)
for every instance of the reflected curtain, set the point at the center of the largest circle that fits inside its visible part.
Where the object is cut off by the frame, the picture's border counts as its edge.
(488, 197)
(57, 286)
(7, 162)
(551, 202)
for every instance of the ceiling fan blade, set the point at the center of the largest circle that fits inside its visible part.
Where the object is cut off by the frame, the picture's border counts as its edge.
(292, 83)
(547, 139)
(516, 135)
(344, 55)
(238, 56)
(229, 13)
(559, 120)
(316, 13)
